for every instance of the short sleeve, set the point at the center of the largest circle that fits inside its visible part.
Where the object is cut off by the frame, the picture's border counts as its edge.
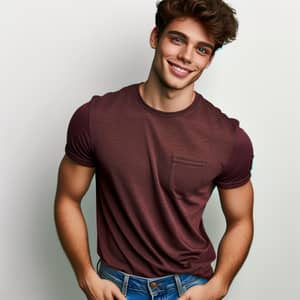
(237, 170)
(79, 145)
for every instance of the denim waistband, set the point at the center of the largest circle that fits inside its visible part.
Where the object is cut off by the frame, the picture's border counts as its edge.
(151, 285)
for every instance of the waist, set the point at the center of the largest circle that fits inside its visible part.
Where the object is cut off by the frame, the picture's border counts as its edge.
(136, 282)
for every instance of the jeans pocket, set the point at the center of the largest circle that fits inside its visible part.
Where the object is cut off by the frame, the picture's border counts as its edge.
(198, 281)
(110, 277)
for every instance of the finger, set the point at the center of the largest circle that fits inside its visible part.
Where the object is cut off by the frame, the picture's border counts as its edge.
(183, 297)
(118, 294)
(108, 295)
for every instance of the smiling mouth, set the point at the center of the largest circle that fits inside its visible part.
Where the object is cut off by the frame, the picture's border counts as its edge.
(179, 71)
(179, 68)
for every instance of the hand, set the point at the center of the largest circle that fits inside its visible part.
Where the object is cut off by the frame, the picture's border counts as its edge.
(96, 288)
(208, 291)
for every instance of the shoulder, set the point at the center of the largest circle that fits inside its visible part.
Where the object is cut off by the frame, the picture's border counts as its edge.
(98, 108)
(223, 129)
(113, 97)
(217, 120)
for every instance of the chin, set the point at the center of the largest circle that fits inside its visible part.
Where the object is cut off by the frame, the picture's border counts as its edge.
(179, 84)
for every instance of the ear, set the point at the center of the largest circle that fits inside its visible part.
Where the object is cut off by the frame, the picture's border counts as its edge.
(154, 38)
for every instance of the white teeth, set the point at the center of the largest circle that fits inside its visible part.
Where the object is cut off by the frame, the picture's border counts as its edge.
(179, 69)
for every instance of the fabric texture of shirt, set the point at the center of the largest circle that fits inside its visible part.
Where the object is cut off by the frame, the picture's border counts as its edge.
(154, 173)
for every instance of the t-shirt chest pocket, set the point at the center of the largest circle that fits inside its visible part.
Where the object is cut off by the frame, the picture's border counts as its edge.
(188, 175)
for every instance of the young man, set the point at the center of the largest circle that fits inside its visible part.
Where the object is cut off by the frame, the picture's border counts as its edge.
(158, 150)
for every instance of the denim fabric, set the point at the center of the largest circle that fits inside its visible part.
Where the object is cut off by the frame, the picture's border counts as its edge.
(135, 287)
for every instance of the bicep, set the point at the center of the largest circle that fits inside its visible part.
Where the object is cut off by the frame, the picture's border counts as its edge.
(73, 180)
(237, 203)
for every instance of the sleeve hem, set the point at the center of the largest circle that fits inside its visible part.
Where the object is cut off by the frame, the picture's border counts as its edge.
(75, 158)
(234, 184)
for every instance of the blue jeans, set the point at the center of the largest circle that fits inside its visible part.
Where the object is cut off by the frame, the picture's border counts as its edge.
(135, 287)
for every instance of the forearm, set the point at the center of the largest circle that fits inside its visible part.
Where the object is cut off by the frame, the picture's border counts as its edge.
(72, 232)
(232, 252)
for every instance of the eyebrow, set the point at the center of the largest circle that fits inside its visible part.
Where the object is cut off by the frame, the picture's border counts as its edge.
(186, 38)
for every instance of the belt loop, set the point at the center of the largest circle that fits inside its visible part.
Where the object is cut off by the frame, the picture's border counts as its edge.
(178, 284)
(98, 265)
(125, 284)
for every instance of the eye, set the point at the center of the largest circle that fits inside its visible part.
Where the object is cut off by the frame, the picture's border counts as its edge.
(177, 40)
(203, 51)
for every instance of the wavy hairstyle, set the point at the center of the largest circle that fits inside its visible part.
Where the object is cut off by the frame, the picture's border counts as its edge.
(217, 17)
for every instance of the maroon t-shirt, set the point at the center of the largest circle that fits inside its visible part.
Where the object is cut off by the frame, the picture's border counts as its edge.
(155, 172)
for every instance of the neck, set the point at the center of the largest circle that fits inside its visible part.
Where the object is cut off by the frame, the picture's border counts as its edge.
(164, 98)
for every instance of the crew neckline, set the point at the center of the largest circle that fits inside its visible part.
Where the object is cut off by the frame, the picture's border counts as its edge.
(153, 110)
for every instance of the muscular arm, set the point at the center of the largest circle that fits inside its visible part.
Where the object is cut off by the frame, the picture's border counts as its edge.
(237, 205)
(73, 182)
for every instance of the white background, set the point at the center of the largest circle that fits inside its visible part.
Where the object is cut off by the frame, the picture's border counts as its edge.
(55, 55)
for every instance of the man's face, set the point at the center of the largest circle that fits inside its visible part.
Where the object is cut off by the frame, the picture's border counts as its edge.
(183, 51)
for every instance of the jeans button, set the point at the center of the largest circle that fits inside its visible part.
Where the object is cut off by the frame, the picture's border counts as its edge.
(153, 284)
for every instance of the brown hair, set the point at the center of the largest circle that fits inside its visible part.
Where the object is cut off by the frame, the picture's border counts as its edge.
(216, 16)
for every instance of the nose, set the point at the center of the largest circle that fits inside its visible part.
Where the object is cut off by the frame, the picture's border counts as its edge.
(186, 54)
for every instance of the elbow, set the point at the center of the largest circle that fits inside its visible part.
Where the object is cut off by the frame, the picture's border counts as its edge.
(244, 225)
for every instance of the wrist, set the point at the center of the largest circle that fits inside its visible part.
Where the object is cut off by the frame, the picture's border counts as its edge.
(219, 285)
(85, 276)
